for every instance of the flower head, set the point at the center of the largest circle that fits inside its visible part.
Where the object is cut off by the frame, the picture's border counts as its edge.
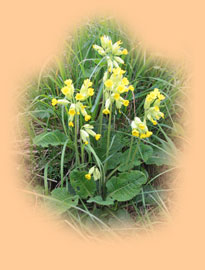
(88, 176)
(139, 129)
(87, 117)
(126, 103)
(90, 92)
(79, 96)
(97, 136)
(72, 111)
(106, 111)
(124, 51)
(54, 101)
(109, 83)
(70, 124)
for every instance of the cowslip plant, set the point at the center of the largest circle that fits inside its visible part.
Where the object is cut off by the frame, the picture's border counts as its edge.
(106, 164)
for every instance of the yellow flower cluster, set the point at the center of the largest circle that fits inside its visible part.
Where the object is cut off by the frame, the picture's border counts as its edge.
(153, 96)
(111, 51)
(152, 104)
(152, 113)
(76, 105)
(115, 86)
(87, 130)
(139, 129)
(85, 91)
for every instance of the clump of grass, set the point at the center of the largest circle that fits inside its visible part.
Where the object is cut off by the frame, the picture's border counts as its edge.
(50, 166)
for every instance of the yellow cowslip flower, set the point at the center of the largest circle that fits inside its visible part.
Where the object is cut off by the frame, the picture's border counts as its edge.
(148, 134)
(141, 126)
(87, 117)
(88, 176)
(154, 122)
(106, 111)
(54, 101)
(126, 102)
(124, 51)
(68, 82)
(70, 124)
(121, 88)
(149, 98)
(87, 82)
(79, 96)
(116, 96)
(162, 114)
(97, 136)
(119, 42)
(160, 97)
(125, 81)
(71, 111)
(156, 91)
(65, 90)
(156, 108)
(86, 142)
(90, 92)
(135, 133)
(131, 88)
(143, 136)
(109, 83)
(153, 95)
(118, 71)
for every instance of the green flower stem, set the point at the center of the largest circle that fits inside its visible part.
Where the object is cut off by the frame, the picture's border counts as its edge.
(101, 115)
(76, 141)
(135, 152)
(130, 151)
(82, 146)
(108, 138)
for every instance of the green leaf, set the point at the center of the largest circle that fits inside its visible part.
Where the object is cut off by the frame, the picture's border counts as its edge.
(125, 186)
(160, 158)
(146, 151)
(132, 162)
(116, 145)
(114, 160)
(61, 200)
(50, 138)
(99, 200)
(83, 187)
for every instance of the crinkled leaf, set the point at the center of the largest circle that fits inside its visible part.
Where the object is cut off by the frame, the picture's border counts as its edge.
(134, 160)
(146, 151)
(42, 113)
(50, 138)
(83, 187)
(100, 201)
(126, 185)
(61, 200)
(117, 142)
(160, 158)
(114, 160)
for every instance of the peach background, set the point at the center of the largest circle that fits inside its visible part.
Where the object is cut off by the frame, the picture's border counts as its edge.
(33, 31)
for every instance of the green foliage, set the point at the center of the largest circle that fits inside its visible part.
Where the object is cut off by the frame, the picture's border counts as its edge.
(98, 199)
(83, 187)
(126, 185)
(53, 138)
(61, 200)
